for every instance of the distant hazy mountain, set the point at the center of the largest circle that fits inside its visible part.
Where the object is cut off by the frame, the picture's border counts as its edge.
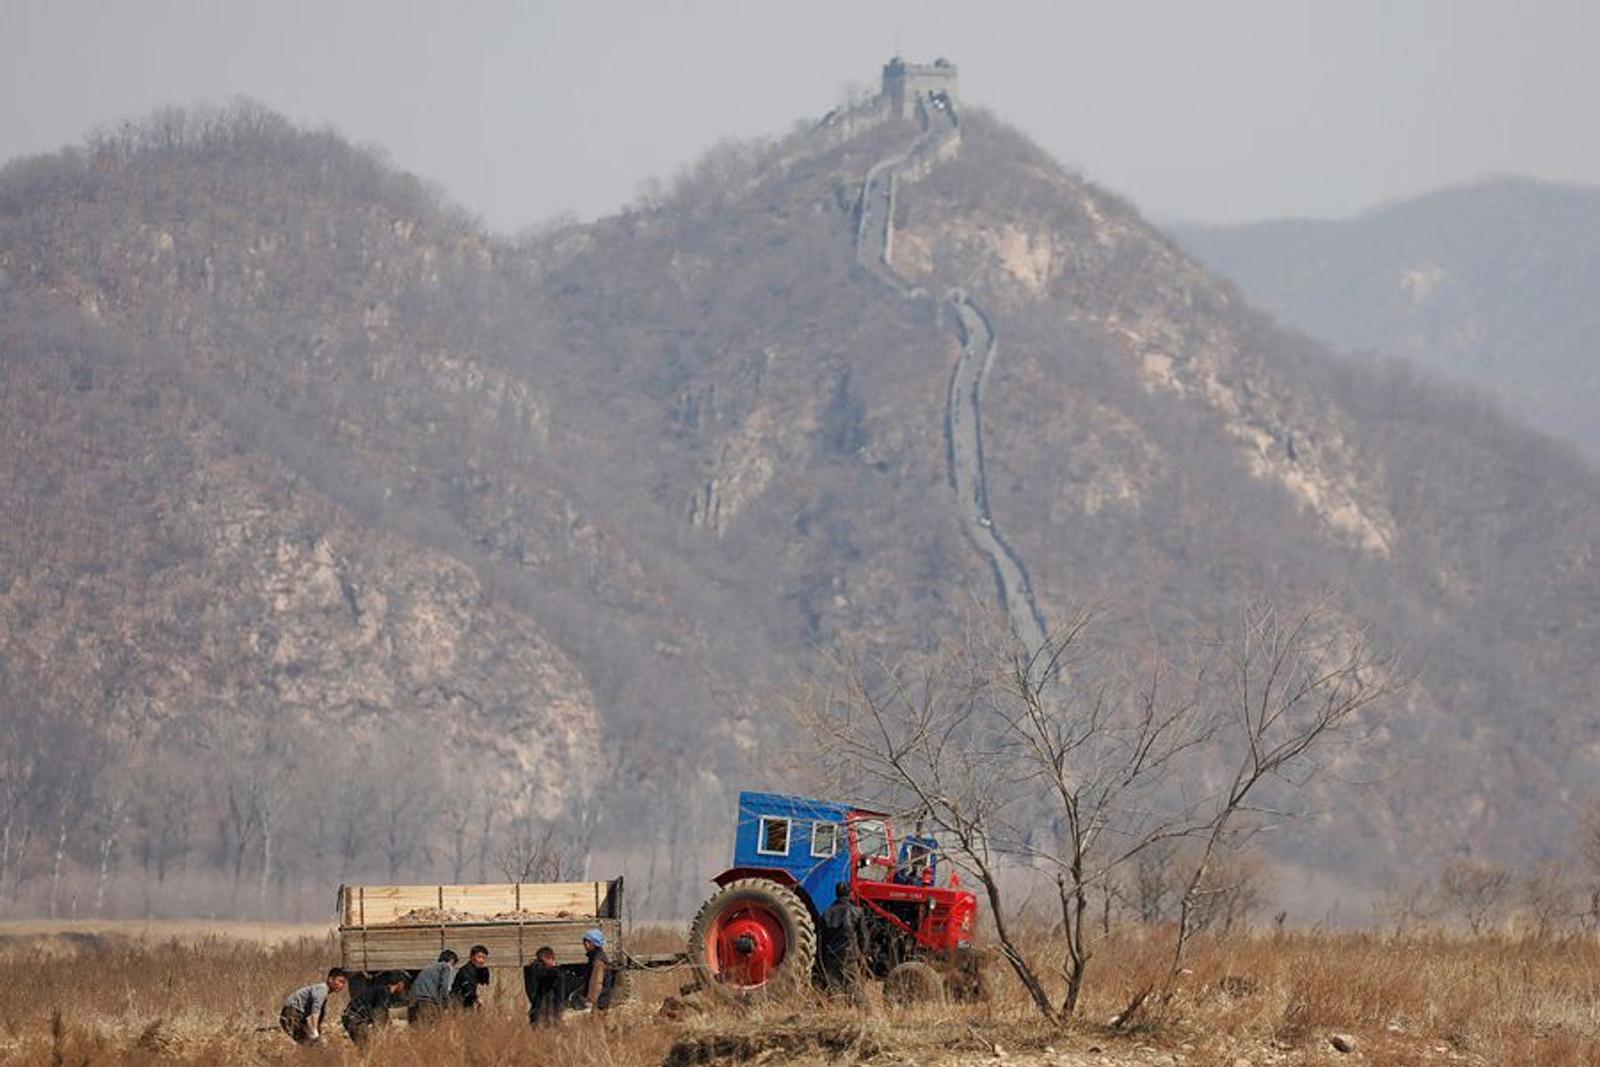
(1494, 284)
(340, 540)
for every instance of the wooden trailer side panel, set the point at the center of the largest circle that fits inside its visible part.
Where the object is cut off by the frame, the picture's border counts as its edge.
(509, 944)
(378, 905)
(371, 937)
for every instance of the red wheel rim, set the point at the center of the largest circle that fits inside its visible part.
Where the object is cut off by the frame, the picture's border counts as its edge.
(746, 943)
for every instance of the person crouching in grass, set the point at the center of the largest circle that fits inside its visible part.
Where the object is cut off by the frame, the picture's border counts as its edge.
(303, 1011)
(430, 989)
(369, 1007)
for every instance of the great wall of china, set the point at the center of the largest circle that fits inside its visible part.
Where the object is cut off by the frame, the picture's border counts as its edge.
(927, 94)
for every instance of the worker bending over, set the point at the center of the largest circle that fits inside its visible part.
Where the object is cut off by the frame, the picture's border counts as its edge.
(369, 1006)
(303, 1011)
(430, 990)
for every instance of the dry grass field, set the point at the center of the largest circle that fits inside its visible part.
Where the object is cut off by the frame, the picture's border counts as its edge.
(193, 994)
(67, 931)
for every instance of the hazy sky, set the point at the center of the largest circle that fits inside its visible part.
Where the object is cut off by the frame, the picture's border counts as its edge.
(1209, 110)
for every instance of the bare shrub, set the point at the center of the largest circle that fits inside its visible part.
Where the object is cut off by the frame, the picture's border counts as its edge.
(1475, 890)
(1233, 893)
(1589, 857)
(1545, 898)
(537, 852)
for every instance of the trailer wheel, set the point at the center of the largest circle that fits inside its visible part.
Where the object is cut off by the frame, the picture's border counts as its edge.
(753, 935)
(911, 983)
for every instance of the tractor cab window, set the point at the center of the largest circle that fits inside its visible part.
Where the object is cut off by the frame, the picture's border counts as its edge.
(773, 838)
(873, 858)
(917, 863)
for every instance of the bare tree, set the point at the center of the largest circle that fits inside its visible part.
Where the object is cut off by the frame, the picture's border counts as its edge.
(1406, 903)
(236, 816)
(1546, 895)
(1290, 685)
(922, 733)
(1100, 743)
(167, 796)
(411, 793)
(71, 801)
(1475, 889)
(1156, 882)
(345, 814)
(113, 798)
(1234, 891)
(1075, 762)
(75, 760)
(253, 772)
(460, 821)
(536, 851)
(19, 786)
(273, 780)
(1589, 856)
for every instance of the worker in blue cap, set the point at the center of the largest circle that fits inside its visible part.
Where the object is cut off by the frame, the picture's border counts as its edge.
(599, 976)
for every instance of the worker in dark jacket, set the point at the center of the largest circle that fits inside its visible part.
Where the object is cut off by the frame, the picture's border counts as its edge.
(430, 990)
(599, 976)
(304, 1009)
(473, 975)
(844, 942)
(545, 985)
(369, 1005)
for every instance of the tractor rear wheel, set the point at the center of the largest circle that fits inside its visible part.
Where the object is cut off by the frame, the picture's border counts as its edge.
(753, 935)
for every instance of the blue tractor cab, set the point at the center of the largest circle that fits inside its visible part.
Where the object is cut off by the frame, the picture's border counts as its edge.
(806, 839)
(790, 855)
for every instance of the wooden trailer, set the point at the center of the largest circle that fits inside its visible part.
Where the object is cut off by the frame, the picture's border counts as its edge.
(404, 927)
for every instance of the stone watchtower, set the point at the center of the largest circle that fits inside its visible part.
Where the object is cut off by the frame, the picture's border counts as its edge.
(903, 82)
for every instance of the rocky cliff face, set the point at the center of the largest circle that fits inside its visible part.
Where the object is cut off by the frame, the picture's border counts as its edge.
(288, 442)
(164, 580)
(215, 556)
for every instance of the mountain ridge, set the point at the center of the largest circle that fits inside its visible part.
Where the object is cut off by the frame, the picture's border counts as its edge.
(654, 462)
(1486, 283)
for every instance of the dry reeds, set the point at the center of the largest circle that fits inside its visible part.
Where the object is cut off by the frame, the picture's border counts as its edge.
(1427, 997)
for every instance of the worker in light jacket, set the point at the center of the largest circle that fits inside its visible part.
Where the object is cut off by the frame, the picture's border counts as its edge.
(303, 1011)
(430, 990)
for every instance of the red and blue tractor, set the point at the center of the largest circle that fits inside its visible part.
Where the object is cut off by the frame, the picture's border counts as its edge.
(759, 930)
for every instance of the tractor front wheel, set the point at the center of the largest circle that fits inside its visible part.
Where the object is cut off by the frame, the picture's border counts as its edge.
(912, 983)
(753, 935)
